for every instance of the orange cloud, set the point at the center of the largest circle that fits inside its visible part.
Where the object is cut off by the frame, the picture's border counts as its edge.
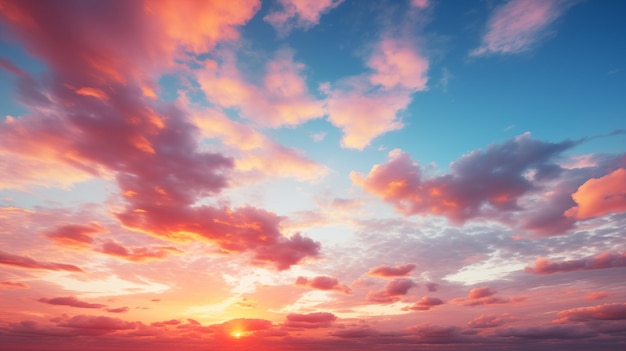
(600, 196)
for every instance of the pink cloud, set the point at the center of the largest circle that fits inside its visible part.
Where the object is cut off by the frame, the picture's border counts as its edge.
(198, 25)
(395, 271)
(118, 310)
(70, 301)
(367, 106)
(394, 291)
(281, 99)
(547, 332)
(424, 304)
(484, 296)
(7, 284)
(302, 14)
(155, 159)
(419, 3)
(600, 196)
(102, 323)
(310, 320)
(246, 325)
(478, 293)
(518, 25)
(615, 311)
(600, 261)
(355, 333)
(489, 321)
(9, 66)
(76, 235)
(493, 183)
(29, 263)
(137, 254)
(323, 283)
(259, 157)
(596, 295)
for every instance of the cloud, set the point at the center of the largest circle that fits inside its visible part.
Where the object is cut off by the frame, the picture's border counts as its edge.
(614, 311)
(75, 235)
(484, 296)
(355, 333)
(137, 254)
(431, 331)
(395, 271)
(518, 25)
(259, 156)
(303, 14)
(366, 106)
(392, 292)
(489, 321)
(102, 323)
(547, 332)
(155, 160)
(323, 283)
(246, 325)
(424, 304)
(596, 295)
(9, 285)
(29, 263)
(118, 310)
(498, 183)
(600, 196)
(282, 97)
(310, 320)
(70, 301)
(600, 261)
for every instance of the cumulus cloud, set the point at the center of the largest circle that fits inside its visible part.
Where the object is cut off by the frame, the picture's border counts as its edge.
(600, 196)
(366, 106)
(29, 263)
(394, 291)
(389, 271)
(282, 98)
(493, 179)
(155, 159)
(601, 261)
(310, 320)
(484, 296)
(614, 311)
(303, 14)
(489, 320)
(70, 301)
(323, 283)
(518, 25)
(424, 304)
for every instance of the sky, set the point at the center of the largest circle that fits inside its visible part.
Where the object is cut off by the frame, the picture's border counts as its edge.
(312, 175)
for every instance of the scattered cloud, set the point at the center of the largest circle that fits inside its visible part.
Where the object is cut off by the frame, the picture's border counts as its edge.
(302, 14)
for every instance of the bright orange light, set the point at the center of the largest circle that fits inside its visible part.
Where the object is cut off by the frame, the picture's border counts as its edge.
(236, 334)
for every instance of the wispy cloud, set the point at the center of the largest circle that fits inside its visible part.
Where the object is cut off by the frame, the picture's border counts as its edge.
(518, 25)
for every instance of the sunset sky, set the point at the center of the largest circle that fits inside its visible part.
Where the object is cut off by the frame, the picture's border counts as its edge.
(313, 175)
